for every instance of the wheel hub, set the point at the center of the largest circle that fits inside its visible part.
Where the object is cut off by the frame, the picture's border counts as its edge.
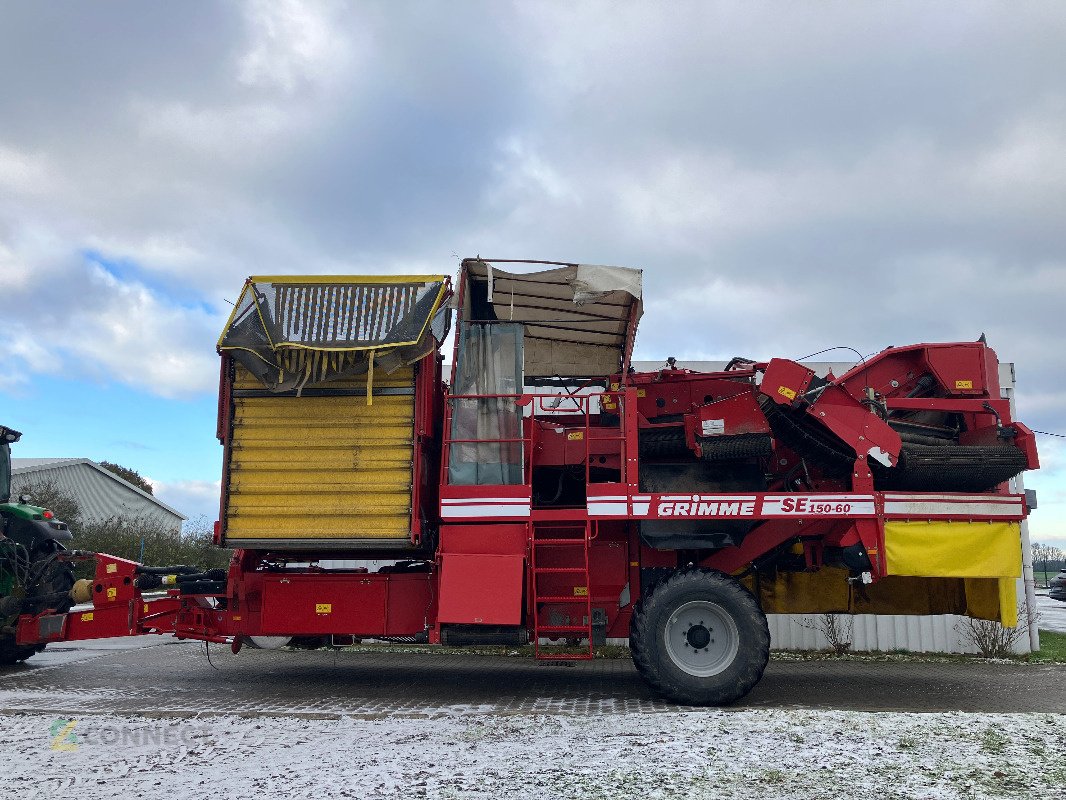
(698, 636)
(701, 638)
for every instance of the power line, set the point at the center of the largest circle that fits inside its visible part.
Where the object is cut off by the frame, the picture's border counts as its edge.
(1046, 433)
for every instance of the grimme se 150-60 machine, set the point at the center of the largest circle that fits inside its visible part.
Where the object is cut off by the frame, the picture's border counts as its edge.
(551, 494)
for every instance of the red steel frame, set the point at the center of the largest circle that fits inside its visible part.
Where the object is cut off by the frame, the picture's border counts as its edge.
(485, 546)
(501, 529)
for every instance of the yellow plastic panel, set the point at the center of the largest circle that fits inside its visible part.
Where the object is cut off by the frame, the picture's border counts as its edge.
(954, 549)
(306, 469)
(827, 592)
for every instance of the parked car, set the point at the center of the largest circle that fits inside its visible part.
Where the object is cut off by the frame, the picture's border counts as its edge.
(1058, 587)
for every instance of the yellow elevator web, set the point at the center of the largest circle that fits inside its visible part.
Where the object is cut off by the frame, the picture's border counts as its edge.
(321, 468)
(322, 444)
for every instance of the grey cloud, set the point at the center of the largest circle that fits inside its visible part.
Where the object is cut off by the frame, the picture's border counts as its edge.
(790, 176)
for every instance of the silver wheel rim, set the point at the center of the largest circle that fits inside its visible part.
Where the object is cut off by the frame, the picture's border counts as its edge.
(268, 642)
(701, 638)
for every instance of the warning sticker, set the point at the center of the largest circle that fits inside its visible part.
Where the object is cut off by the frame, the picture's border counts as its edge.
(323, 608)
(713, 427)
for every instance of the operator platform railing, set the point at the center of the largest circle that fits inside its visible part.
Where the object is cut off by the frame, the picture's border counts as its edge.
(579, 414)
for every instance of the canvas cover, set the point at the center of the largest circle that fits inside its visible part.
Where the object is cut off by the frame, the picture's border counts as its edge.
(579, 319)
(289, 331)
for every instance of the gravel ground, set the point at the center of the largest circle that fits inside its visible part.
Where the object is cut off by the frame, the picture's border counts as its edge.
(165, 675)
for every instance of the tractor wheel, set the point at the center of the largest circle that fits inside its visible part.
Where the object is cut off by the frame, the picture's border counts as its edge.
(11, 653)
(58, 578)
(700, 638)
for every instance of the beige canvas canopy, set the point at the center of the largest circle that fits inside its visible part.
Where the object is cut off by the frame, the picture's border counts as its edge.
(579, 319)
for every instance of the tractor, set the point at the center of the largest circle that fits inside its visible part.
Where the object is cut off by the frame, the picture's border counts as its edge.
(32, 577)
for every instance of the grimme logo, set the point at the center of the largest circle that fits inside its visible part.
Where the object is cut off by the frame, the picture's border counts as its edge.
(698, 507)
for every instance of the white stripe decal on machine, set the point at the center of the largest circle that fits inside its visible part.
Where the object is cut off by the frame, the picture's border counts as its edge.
(614, 509)
(932, 508)
(468, 511)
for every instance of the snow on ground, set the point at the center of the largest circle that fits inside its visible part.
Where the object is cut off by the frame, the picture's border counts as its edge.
(1052, 613)
(766, 754)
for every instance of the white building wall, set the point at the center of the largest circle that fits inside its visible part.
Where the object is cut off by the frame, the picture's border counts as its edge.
(880, 633)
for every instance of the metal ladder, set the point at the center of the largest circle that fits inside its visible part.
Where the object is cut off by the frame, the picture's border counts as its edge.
(570, 544)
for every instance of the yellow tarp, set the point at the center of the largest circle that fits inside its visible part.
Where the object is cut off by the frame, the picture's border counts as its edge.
(828, 592)
(953, 549)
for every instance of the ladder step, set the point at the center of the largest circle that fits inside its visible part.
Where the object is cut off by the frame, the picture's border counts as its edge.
(571, 542)
(561, 599)
(557, 570)
(564, 628)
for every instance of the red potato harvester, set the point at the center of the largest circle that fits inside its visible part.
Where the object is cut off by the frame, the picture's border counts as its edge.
(551, 494)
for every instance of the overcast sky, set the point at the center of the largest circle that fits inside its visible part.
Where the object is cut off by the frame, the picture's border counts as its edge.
(790, 177)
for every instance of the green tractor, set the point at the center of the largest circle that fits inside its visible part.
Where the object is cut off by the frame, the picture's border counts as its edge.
(32, 576)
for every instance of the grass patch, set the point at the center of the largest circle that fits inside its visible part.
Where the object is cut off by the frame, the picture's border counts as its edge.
(526, 651)
(1052, 649)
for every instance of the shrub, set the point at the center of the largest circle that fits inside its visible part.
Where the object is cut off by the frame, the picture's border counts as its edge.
(123, 536)
(129, 538)
(991, 639)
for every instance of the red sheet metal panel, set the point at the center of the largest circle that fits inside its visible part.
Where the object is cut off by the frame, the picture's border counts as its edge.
(481, 589)
(499, 539)
(318, 604)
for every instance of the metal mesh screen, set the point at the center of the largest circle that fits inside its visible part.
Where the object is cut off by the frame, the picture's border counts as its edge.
(288, 331)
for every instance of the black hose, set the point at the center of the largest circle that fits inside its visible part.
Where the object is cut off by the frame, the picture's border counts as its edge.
(211, 575)
(182, 569)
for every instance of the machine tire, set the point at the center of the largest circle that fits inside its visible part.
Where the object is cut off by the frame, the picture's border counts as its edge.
(725, 648)
(10, 653)
(59, 577)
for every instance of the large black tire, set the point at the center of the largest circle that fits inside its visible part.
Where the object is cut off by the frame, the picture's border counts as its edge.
(58, 578)
(700, 638)
(10, 653)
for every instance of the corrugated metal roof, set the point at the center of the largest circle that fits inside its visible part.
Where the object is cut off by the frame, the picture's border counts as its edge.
(100, 493)
(34, 463)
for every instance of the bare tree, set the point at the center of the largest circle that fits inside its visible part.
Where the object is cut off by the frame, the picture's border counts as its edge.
(836, 628)
(992, 639)
(48, 494)
(1044, 554)
(129, 475)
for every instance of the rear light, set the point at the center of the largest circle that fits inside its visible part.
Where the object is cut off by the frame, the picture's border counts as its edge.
(49, 515)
